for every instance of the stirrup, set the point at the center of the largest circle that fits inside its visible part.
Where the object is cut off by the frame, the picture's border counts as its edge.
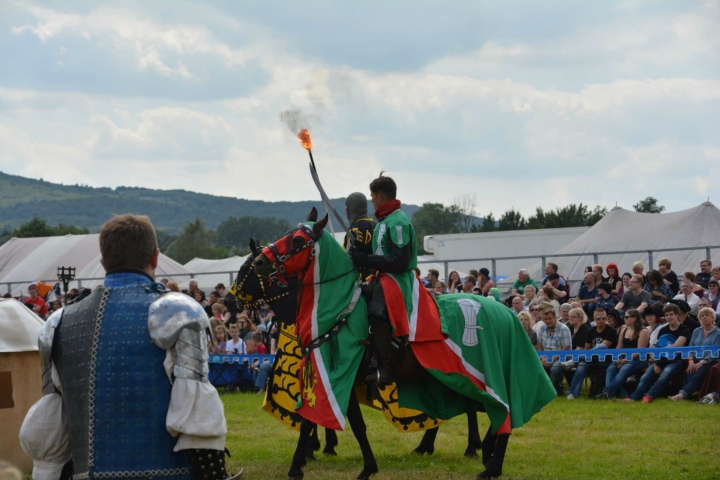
(238, 476)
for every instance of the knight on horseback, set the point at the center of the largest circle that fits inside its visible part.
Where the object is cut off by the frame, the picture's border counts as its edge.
(361, 227)
(394, 254)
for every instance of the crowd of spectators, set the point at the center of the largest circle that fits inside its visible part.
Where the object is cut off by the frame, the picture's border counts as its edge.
(634, 310)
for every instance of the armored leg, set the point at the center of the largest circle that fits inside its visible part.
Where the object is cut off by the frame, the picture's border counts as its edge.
(209, 464)
(380, 330)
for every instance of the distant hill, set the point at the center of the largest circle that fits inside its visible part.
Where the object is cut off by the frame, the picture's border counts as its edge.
(22, 198)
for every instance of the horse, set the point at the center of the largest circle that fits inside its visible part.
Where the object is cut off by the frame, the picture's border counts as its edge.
(248, 291)
(337, 322)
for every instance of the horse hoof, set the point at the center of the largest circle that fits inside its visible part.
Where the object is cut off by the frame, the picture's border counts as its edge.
(310, 457)
(488, 474)
(295, 478)
(470, 454)
(423, 451)
(367, 473)
(330, 451)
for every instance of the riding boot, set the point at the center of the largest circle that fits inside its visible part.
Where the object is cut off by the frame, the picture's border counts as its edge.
(381, 339)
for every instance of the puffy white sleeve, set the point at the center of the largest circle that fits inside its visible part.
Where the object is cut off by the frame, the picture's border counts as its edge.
(196, 416)
(45, 438)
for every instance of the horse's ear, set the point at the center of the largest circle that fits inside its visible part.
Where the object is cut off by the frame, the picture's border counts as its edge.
(320, 226)
(253, 248)
(312, 217)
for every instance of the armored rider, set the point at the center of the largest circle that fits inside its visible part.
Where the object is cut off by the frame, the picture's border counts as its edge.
(394, 253)
(125, 377)
(361, 227)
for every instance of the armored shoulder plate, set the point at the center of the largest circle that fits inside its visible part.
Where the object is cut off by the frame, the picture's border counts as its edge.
(47, 334)
(177, 323)
(170, 314)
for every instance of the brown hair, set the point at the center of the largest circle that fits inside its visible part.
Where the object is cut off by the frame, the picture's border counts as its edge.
(128, 242)
(666, 262)
(637, 323)
(690, 276)
(671, 307)
(172, 286)
(434, 273)
(384, 185)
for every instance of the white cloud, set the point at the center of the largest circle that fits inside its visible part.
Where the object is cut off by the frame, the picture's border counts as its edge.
(474, 122)
(153, 44)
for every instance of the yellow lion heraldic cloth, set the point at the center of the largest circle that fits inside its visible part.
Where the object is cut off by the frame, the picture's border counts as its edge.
(282, 393)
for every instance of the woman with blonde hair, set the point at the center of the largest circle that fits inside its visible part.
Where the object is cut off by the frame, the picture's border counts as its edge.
(528, 295)
(638, 269)
(528, 323)
(705, 336)
(578, 329)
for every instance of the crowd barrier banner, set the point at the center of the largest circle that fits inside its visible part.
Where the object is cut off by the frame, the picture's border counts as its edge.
(615, 354)
(234, 370)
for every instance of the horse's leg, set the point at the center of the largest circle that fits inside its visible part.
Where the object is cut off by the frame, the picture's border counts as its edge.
(357, 423)
(313, 444)
(488, 446)
(494, 467)
(331, 442)
(298, 462)
(427, 444)
(474, 443)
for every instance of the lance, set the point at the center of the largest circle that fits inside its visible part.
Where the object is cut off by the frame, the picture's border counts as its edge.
(304, 137)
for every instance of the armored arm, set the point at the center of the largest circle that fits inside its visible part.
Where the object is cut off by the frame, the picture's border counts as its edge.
(177, 323)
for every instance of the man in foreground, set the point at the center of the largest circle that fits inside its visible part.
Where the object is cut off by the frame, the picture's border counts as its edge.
(125, 376)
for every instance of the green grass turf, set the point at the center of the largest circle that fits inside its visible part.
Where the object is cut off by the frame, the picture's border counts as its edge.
(568, 439)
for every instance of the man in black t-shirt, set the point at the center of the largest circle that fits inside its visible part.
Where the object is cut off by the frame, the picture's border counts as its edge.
(660, 372)
(684, 317)
(669, 277)
(705, 274)
(601, 336)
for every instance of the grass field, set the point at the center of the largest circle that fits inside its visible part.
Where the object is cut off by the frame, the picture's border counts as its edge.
(568, 439)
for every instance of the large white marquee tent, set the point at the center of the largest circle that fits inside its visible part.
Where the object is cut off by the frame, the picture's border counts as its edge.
(207, 282)
(25, 260)
(622, 230)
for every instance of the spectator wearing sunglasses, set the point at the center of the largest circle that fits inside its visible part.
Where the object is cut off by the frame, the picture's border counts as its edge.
(601, 336)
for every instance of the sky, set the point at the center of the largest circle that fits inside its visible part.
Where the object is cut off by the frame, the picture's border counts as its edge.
(520, 103)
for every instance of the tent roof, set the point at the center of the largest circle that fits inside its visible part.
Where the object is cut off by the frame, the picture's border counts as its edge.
(30, 259)
(208, 282)
(19, 327)
(623, 230)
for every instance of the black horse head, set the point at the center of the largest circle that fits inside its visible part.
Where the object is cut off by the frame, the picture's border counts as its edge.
(251, 290)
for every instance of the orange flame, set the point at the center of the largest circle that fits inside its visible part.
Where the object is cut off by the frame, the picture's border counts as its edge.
(304, 137)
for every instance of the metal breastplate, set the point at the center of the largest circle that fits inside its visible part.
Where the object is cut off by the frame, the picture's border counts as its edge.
(115, 388)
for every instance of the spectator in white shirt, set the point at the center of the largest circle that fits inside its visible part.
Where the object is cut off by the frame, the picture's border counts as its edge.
(686, 293)
(235, 345)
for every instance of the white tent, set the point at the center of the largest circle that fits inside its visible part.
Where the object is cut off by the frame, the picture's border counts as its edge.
(208, 282)
(25, 260)
(20, 376)
(622, 230)
(19, 327)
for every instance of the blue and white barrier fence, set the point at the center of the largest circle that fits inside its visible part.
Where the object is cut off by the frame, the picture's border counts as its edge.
(601, 355)
(615, 354)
